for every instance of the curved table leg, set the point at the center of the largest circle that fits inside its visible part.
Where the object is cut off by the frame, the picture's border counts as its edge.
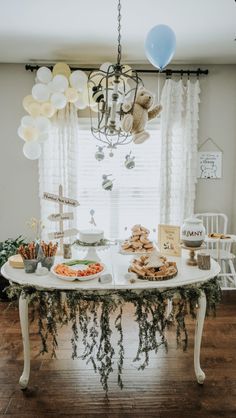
(200, 375)
(24, 322)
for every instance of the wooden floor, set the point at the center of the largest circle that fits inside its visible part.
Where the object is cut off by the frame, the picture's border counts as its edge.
(166, 389)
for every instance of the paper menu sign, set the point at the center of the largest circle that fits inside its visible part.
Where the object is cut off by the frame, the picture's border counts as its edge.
(169, 240)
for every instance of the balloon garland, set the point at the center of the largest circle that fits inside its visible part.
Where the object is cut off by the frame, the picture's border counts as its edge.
(51, 92)
(54, 89)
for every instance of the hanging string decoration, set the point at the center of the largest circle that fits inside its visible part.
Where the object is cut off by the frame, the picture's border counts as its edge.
(52, 91)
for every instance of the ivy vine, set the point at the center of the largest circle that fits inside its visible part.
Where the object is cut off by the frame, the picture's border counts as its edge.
(89, 313)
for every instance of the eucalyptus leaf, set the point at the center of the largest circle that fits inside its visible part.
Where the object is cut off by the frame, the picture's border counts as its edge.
(92, 321)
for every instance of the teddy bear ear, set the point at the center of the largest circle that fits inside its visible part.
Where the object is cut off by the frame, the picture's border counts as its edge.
(141, 88)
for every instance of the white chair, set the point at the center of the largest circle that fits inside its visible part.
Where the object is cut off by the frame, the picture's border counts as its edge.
(220, 250)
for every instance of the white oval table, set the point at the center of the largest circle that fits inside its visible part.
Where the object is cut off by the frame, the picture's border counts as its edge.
(117, 265)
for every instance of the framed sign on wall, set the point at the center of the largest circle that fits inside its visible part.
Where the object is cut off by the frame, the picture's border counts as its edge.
(210, 162)
(209, 165)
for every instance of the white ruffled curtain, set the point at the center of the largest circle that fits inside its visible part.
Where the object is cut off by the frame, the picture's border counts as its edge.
(57, 165)
(179, 128)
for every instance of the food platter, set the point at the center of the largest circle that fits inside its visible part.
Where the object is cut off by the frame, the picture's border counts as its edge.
(138, 243)
(146, 270)
(82, 270)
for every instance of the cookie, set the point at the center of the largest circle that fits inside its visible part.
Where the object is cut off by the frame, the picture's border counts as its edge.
(137, 246)
(126, 245)
(137, 232)
(147, 246)
(134, 238)
(144, 239)
(143, 229)
(135, 227)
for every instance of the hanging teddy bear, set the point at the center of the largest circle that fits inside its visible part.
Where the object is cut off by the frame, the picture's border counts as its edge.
(143, 111)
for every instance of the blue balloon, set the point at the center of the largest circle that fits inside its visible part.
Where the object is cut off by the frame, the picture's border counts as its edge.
(160, 45)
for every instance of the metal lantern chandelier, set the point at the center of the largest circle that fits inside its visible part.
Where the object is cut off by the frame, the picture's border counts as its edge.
(109, 89)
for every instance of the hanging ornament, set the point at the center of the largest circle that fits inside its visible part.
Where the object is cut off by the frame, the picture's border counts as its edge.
(99, 154)
(129, 161)
(107, 184)
(92, 220)
(112, 148)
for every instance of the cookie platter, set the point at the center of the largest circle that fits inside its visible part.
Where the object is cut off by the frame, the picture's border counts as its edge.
(153, 267)
(138, 242)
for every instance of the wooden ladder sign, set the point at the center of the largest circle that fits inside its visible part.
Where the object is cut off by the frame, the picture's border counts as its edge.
(61, 216)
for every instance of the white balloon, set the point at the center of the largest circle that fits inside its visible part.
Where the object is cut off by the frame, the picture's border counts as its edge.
(20, 132)
(44, 75)
(32, 150)
(43, 137)
(27, 121)
(40, 92)
(87, 95)
(81, 102)
(43, 124)
(58, 100)
(105, 66)
(60, 83)
(78, 79)
(51, 87)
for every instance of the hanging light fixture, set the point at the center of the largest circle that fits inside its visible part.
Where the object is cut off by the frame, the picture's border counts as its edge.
(109, 89)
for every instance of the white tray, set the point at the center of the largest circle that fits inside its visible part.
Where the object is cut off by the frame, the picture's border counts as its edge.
(81, 279)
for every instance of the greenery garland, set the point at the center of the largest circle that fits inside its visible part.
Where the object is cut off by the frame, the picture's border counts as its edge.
(89, 313)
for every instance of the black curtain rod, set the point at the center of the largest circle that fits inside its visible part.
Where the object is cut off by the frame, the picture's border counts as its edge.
(168, 71)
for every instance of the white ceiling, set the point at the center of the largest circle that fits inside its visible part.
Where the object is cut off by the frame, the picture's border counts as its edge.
(84, 31)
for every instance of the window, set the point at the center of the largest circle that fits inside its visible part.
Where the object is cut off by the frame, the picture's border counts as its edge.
(135, 195)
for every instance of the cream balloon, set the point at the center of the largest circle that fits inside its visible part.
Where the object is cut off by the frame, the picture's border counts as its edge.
(95, 78)
(32, 150)
(92, 104)
(94, 107)
(27, 101)
(78, 79)
(34, 109)
(47, 109)
(127, 70)
(60, 83)
(61, 68)
(44, 75)
(40, 92)
(30, 133)
(58, 100)
(27, 121)
(71, 95)
(43, 124)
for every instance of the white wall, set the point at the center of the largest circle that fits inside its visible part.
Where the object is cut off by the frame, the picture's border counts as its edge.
(218, 121)
(19, 176)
